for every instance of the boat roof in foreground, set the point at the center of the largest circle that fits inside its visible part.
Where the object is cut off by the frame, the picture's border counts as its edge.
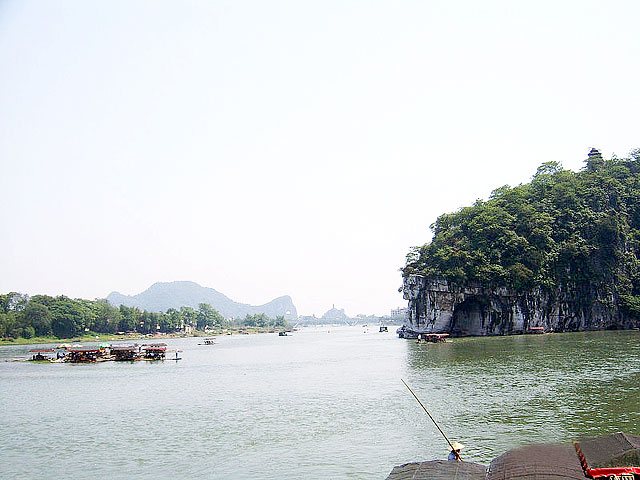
(438, 470)
(617, 450)
(538, 462)
(617, 454)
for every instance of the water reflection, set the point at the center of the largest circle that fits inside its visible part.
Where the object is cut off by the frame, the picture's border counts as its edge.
(500, 392)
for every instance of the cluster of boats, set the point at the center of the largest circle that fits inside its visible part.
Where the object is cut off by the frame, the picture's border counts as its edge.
(406, 331)
(103, 352)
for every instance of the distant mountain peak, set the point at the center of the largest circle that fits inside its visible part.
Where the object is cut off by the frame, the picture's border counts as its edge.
(176, 283)
(162, 296)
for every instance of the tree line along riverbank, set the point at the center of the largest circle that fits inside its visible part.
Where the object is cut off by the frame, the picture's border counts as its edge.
(45, 319)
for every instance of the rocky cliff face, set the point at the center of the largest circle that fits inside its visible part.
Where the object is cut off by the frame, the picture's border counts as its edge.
(435, 306)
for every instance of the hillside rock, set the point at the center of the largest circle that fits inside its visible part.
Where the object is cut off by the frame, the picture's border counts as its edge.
(164, 295)
(436, 306)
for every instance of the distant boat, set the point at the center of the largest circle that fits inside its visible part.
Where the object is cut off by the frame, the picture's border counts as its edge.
(41, 355)
(282, 334)
(85, 355)
(155, 351)
(208, 341)
(536, 330)
(432, 337)
(125, 352)
(383, 328)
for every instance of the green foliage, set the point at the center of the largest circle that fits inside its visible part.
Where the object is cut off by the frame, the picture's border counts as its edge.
(261, 320)
(189, 316)
(38, 317)
(106, 318)
(207, 316)
(12, 302)
(171, 320)
(28, 332)
(563, 229)
(9, 326)
(22, 316)
(129, 318)
(631, 304)
(68, 317)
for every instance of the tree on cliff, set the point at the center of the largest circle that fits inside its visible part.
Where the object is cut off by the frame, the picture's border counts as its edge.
(574, 230)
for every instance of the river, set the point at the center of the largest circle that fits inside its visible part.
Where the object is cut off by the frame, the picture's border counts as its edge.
(322, 403)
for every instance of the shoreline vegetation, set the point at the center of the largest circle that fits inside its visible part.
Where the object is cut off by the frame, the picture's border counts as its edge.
(109, 337)
(34, 319)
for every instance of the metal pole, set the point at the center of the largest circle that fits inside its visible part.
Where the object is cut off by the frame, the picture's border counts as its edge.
(432, 419)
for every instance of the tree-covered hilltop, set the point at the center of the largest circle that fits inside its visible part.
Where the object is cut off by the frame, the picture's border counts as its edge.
(63, 317)
(569, 231)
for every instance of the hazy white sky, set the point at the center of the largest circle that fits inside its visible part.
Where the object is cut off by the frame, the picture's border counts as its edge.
(266, 148)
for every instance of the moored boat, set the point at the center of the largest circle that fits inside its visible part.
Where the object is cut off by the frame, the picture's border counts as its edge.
(432, 337)
(41, 354)
(84, 355)
(536, 330)
(122, 353)
(155, 351)
(608, 457)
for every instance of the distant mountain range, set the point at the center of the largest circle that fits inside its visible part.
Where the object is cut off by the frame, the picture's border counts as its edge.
(162, 296)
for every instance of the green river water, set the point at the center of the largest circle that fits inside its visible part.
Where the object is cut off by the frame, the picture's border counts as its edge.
(322, 403)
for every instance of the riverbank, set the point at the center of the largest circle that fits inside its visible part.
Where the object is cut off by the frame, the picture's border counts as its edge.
(109, 337)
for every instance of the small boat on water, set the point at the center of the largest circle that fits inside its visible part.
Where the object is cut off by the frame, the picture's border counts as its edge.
(208, 341)
(155, 351)
(536, 330)
(432, 337)
(177, 357)
(85, 355)
(123, 353)
(41, 355)
(383, 328)
(282, 334)
(404, 332)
